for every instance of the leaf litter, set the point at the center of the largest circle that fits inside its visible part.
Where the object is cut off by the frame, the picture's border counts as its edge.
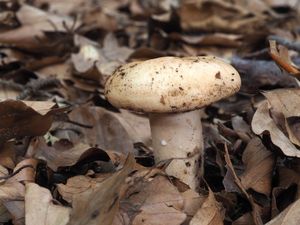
(69, 157)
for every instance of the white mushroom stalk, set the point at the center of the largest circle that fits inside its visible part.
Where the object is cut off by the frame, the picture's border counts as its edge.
(171, 90)
(178, 136)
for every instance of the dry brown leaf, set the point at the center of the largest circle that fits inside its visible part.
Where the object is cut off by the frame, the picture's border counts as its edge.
(40, 210)
(34, 23)
(210, 212)
(13, 190)
(93, 62)
(259, 164)
(262, 122)
(217, 15)
(290, 216)
(108, 131)
(286, 101)
(8, 155)
(288, 177)
(192, 202)
(12, 196)
(159, 202)
(19, 120)
(76, 185)
(98, 205)
(27, 169)
(62, 153)
(255, 208)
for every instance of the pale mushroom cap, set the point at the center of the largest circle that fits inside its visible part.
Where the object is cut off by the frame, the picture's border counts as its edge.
(171, 84)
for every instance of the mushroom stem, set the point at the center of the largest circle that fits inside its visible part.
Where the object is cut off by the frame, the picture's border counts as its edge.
(178, 136)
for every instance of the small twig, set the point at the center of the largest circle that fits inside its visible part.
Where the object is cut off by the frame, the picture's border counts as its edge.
(16, 172)
(287, 43)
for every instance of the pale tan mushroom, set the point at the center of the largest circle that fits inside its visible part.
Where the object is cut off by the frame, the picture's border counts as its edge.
(171, 89)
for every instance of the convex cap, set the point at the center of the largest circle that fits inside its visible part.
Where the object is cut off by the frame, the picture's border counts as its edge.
(171, 84)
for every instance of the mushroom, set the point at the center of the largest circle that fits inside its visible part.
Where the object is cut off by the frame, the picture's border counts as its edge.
(171, 90)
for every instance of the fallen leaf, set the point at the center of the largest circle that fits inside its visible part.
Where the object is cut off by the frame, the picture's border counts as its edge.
(259, 163)
(210, 212)
(290, 216)
(255, 208)
(62, 153)
(283, 100)
(76, 185)
(30, 35)
(19, 120)
(109, 130)
(262, 122)
(40, 210)
(159, 202)
(100, 204)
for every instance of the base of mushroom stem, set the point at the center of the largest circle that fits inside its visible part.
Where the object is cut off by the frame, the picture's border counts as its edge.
(178, 136)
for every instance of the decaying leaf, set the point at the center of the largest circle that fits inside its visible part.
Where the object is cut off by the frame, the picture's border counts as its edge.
(263, 122)
(99, 205)
(255, 208)
(19, 120)
(259, 164)
(210, 212)
(30, 35)
(111, 130)
(158, 202)
(95, 63)
(290, 216)
(40, 210)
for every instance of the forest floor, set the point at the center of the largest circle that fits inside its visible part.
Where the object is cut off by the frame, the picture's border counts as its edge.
(69, 157)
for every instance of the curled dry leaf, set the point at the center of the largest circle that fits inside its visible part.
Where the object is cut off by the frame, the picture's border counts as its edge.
(62, 153)
(40, 210)
(290, 216)
(285, 101)
(192, 202)
(98, 205)
(210, 212)
(30, 35)
(93, 62)
(158, 202)
(8, 155)
(262, 122)
(197, 15)
(115, 131)
(12, 197)
(19, 119)
(14, 189)
(238, 185)
(76, 185)
(259, 164)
